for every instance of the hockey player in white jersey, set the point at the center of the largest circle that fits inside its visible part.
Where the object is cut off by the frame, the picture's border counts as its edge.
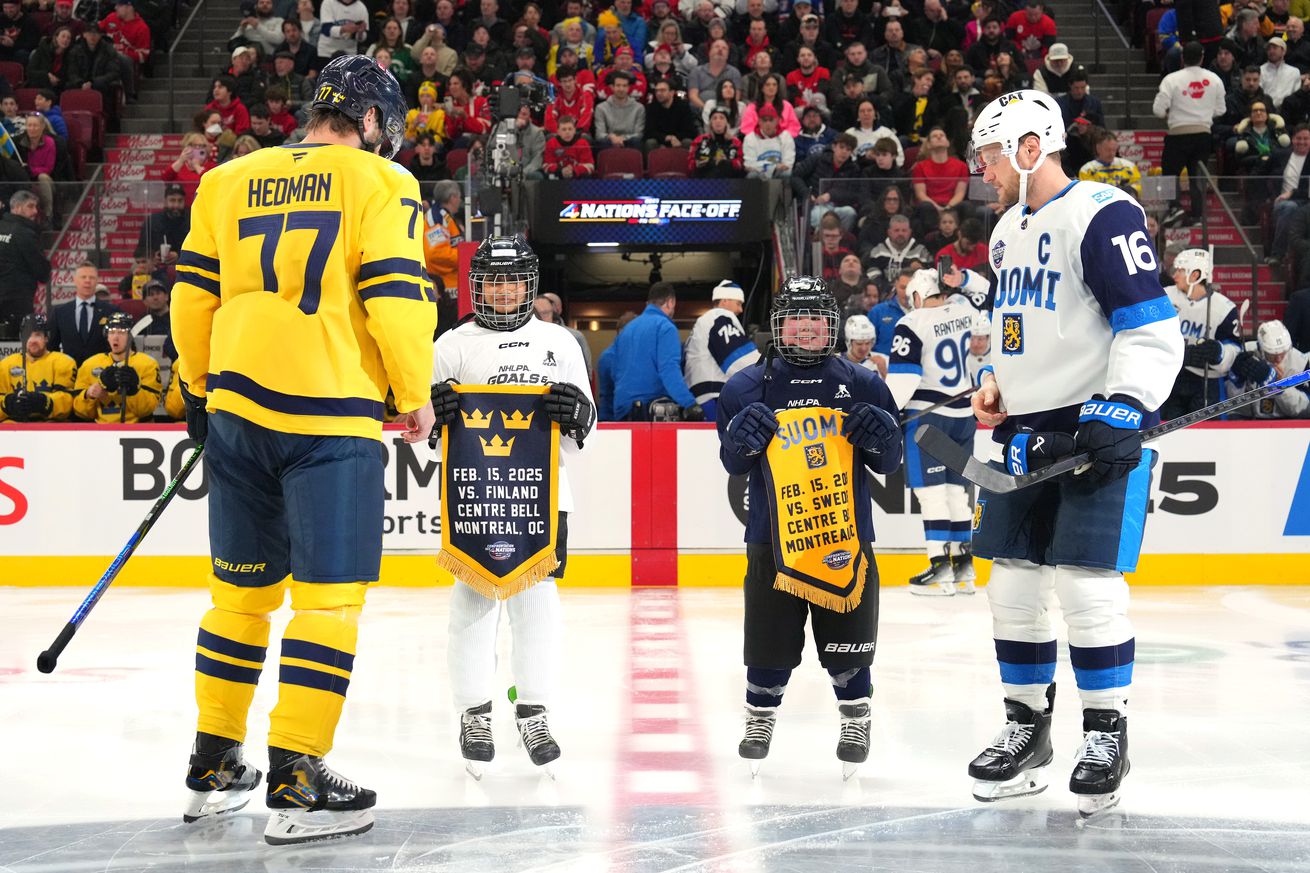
(717, 346)
(1274, 357)
(1085, 347)
(980, 347)
(1208, 321)
(928, 367)
(860, 335)
(505, 345)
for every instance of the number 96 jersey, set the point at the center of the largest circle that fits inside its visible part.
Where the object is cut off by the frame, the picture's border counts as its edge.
(929, 360)
(1078, 307)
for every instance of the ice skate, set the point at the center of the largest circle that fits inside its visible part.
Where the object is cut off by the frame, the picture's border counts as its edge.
(219, 779)
(534, 736)
(754, 746)
(1014, 764)
(475, 741)
(962, 567)
(1102, 761)
(309, 801)
(853, 743)
(936, 581)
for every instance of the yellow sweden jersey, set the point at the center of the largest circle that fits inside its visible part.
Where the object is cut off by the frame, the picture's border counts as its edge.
(1121, 173)
(301, 294)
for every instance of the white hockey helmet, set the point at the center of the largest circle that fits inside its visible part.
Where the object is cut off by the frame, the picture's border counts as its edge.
(1011, 117)
(982, 324)
(924, 284)
(859, 329)
(1195, 260)
(1274, 338)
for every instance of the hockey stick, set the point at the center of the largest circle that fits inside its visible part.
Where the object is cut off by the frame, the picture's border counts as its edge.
(46, 661)
(954, 397)
(960, 459)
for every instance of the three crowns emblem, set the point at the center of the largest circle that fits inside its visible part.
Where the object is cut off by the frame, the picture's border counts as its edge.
(497, 446)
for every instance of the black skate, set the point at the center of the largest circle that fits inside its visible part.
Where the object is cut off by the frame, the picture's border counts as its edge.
(219, 779)
(936, 581)
(312, 802)
(1102, 761)
(1014, 764)
(754, 746)
(962, 567)
(534, 735)
(475, 740)
(853, 743)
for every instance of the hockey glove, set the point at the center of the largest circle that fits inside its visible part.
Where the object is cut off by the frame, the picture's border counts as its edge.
(566, 404)
(693, 413)
(1206, 352)
(15, 406)
(445, 406)
(1249, 368)
(751, 429)
(129, 381)
(36, 405)
(872, 429)
(109, 378)
(1109, 430)
(197, 418)
(1028, 452)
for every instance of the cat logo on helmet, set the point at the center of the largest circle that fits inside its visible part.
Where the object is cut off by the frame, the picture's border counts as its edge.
(1195, 261)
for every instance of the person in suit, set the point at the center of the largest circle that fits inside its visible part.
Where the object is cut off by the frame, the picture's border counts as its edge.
(78, 326)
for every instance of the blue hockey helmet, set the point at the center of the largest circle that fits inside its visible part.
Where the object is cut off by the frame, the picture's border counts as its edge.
(354, 84)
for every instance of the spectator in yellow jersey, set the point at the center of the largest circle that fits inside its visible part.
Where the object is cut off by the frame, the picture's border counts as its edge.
(427, 118)
(121, 385)
(38, 386)
(1109, 168)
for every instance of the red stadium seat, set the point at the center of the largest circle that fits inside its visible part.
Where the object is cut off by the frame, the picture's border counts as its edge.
(911, 155)
(13, 72)
(667, 163)
(81, 129)
(134, 308)
(1149, 40)
(84, 99)
(26, 98)
(455, 159)
(619, 163)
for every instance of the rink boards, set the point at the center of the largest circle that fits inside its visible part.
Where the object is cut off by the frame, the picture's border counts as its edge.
(1230, 505)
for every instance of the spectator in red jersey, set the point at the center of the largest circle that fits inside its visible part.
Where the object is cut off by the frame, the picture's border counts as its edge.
(716, 154)
(834, 250)
(467, 115)
(235, 116)
(757, 41)
(968, 252)
(940, 180)
(131, 39)
(568, 155)
(1032, 30)
(623, 63)
(279, 113)
(572, 101)
(807, 85)
(192, 162)
(569, 57)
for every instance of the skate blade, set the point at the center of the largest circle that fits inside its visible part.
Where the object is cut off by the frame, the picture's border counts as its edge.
(755, 764)
(549, 769)
(476, 769)
(848, 770)
(291, 827)
(965, 588)
(1026, 783)
(942, 589)
(207, 804)
(1091, 805)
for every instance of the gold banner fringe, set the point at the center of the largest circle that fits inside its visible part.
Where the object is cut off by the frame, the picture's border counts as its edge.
(505, 590)
(834, 602)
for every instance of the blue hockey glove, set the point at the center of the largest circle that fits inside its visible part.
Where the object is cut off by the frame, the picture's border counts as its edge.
(751, 429)
(872, 429)
(1110, 431)
(1028, 452)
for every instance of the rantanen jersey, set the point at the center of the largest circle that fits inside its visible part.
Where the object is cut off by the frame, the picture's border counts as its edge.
(538, 353)
(320, 301)
(1078, 309)
(836, 383)
(929, 361)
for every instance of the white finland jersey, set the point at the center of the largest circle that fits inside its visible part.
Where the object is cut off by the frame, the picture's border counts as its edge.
(1078, 305)
(538, 353)
(716, 350)
(975, 365)
(929, 358)
(1222, 326)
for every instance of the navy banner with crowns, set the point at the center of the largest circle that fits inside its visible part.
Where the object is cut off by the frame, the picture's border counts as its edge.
(499, 490)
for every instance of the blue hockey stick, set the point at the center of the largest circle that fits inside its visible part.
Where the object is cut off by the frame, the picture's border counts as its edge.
(47, 660)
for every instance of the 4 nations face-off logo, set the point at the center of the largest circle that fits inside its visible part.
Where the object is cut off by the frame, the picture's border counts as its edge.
(648, 210)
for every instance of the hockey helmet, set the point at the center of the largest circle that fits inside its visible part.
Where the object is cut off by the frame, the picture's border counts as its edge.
(923, 285)
(354, 84)
(499, 265)
(1007, 120)
(804, 321)
(34, 323)
(1274, 338)
(859, 329)
(982, 324)
(118, 321)
(1195, 260)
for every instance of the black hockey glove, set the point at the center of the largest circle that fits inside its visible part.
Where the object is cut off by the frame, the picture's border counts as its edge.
(445, 406)
(197, 419)
(1205, 352)
(129, 381)
(1249, 368)
(750, 430)
(36, 405)
(693, 413)
(872, 429)
(567, 404)
(1109, 430)
(1028, 452)
(15, 405)
(109, 378)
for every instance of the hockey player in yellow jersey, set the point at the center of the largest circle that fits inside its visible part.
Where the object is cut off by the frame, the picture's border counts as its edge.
(37, 386)
(120, 386)
(300, 299)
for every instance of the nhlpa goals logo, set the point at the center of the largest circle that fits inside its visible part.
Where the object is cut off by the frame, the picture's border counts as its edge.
(649, 210)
